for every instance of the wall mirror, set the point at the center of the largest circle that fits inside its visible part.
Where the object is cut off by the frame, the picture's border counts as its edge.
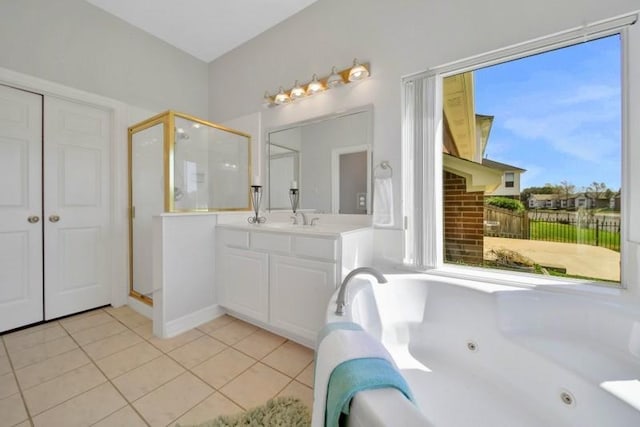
(329, 158)
(179, 163)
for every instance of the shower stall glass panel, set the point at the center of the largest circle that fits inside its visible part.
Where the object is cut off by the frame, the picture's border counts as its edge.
(179, 163)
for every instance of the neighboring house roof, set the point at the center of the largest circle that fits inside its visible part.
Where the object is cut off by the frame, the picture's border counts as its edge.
(545, 196)
(559, 197)
(501, 166)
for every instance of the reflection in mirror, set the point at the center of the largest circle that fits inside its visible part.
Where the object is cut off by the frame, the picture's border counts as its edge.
(329, 158)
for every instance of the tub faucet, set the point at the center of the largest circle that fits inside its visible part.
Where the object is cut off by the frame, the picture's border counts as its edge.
(342, 294)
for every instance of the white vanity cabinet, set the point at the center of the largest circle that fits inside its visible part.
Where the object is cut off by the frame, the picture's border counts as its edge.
(244, 279)
(283, 280)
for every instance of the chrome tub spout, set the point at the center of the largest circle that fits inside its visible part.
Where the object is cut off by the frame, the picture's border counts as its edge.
(342, 294)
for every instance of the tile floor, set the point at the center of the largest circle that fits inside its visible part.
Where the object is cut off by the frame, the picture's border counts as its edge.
(105, 368)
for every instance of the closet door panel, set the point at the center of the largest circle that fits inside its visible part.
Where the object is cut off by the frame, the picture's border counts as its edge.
(76, 207)
(20, 208)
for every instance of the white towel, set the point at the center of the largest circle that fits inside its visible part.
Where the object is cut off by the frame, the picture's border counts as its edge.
(383, 202)
(339, 346)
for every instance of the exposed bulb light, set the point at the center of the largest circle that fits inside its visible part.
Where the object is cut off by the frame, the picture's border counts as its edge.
(268, 100)
(314, 86)
(297, 91)
(358, 72)
(318, 84)
(335, 79)
(282, 97)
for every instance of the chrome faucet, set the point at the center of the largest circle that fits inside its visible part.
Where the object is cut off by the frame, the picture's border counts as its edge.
(342, 294)
(295, 218)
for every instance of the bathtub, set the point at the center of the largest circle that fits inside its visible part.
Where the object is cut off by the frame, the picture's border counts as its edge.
(478, 354)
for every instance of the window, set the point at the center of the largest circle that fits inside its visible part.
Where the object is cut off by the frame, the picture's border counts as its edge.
(509, 178)
(570, 156)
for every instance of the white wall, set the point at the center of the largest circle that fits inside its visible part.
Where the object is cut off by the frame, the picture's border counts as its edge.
(398, 38)
(79, 45)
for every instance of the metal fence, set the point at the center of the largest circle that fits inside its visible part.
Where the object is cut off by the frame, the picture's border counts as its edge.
(589, 231)
(568, 227)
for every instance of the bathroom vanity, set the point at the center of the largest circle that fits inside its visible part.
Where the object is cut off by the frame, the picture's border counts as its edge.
(281, 276)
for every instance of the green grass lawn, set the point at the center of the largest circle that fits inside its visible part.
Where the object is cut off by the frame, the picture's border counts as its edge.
(556, 232)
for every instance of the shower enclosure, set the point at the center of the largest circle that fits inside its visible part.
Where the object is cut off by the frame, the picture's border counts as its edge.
(179, 163)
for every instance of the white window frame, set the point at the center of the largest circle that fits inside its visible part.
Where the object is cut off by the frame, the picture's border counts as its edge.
(422, 135)
(512, 180)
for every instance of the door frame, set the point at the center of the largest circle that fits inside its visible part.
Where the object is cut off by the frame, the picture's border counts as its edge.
(335, 174)
(118, 244)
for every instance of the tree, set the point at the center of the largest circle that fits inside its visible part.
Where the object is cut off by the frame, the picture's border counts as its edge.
(506, 203)
(596, 190)
(566, 189)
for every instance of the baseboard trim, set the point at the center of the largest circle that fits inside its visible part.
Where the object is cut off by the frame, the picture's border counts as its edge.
(192, 320)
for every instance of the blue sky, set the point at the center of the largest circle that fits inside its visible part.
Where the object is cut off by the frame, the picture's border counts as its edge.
(557, 114)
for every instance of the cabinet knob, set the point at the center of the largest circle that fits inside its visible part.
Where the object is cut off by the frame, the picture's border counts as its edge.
(33, 219)
(54, 218)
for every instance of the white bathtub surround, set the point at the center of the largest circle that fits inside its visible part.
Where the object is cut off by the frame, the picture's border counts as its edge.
(497, 355)
(339, 343)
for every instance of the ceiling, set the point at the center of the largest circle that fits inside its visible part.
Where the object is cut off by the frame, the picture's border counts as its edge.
(205, 29)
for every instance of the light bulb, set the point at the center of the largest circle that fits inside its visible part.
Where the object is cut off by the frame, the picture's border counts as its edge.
(335, 79)
(297, 91)
(358, 71)
(314, 86)
(282, 97)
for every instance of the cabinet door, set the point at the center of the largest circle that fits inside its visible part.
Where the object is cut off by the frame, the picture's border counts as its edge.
(299, 294)
(242, 278)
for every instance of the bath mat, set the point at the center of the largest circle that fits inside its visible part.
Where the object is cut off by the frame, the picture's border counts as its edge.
(278, 412)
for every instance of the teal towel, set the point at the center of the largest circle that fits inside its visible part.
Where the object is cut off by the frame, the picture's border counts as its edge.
(356, 375)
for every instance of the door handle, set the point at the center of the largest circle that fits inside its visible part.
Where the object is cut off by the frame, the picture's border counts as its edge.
(33, 219)
(54, 218)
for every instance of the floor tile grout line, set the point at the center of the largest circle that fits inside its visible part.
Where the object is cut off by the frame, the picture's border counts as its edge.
(15, 378)
(97, 312)
(59, 375)
(186, 369)
(24, 333)
(188, 410)
(39, 343)
(47, 358)
(68, 399)
(114, 386)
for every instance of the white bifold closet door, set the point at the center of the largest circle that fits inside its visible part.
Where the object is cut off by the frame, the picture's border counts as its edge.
(54, 208)
(76, 207)
(21, 298)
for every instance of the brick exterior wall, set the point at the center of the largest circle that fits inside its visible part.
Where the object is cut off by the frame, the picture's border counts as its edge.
(463, 221)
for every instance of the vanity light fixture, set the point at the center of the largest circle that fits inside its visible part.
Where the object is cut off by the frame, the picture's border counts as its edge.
(297, 91)
(282, 97)
(337, 78)
(315, 86)
(358, 72)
